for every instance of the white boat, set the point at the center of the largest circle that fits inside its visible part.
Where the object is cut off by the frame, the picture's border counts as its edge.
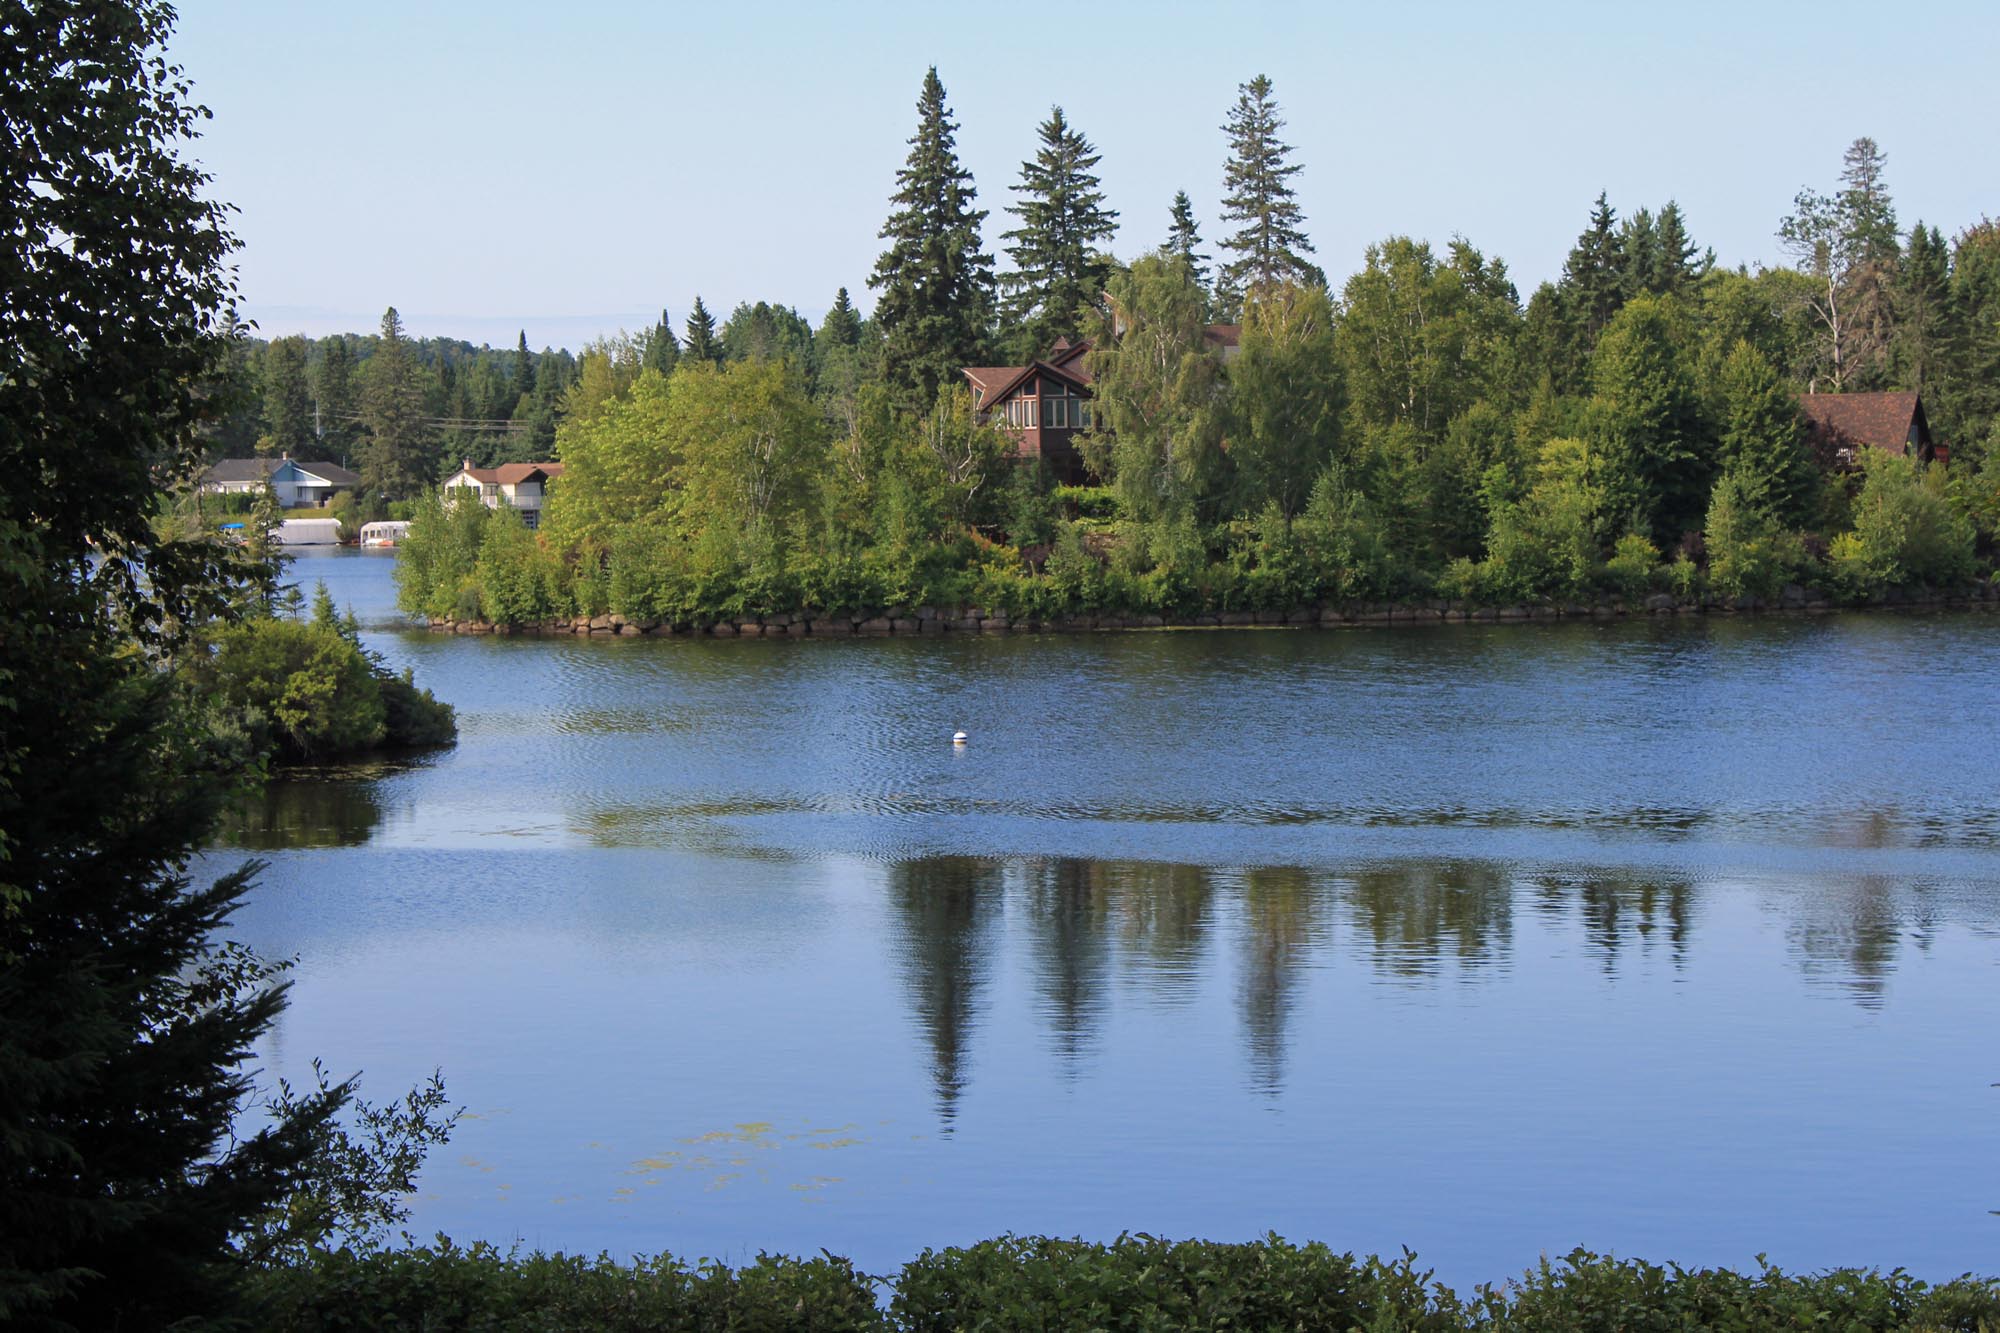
(387, 532)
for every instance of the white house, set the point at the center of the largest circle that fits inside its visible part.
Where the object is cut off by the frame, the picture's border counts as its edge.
(523, 486)
(297, 484)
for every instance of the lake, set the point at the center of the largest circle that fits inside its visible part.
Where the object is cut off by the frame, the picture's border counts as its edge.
(1676, 937)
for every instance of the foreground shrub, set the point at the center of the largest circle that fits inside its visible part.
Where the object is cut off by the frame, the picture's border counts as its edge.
(1142, 1282)
(1590, 1293)
(442, 1288)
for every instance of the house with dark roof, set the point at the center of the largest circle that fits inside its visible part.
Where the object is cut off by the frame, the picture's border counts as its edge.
(1046, 404)
(297, 484)
(1843, 424)
(520, 486)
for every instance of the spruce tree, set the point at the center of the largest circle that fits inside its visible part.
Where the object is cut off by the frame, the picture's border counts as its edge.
(396, 459)
(1764, 439)
(287, 398)
(1059, 263)
(1184, 239)
(125, 1028)
(842, 325)
(1682, 262)
(663, 350)
(1920, 301)
(524, 369)
(702, 343)
(333, 393)
(935, 310)
(1270, 245)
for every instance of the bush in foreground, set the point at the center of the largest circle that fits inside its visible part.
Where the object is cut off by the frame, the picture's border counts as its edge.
(1134, 1282)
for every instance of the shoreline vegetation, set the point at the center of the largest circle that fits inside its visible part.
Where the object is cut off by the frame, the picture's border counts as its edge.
(1135, 1282)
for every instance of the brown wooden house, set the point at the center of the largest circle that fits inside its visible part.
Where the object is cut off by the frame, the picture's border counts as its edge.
(1045, 404)
(1843, 424)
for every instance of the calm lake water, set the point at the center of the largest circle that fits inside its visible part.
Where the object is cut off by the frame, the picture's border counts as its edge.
(1676, 938)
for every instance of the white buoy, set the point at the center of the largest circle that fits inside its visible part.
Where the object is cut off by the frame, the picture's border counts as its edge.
(958, 738)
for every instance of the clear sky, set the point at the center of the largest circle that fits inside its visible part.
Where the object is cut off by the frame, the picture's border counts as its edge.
(568, 169)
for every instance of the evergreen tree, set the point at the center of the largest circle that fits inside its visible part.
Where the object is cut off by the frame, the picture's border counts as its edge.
(396, 459)
(842, 326)
(125, 1026)
(1658, 468)
(1682, 263)
(333, 393)
(702, 344)
(1593, 288)
(287, 399)
(935, 310)
(1764, 439)
(524, 369)
(1059, 265)
(1847, 243)
(1270, 245)
(1184, 239)
(1921, 307)
(663, 350)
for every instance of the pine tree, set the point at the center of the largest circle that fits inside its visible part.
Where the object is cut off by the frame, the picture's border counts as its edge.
(1647, 423)
(333, 392)
(1270, 245)
(936, 305)
(1059, 267)
(663, 350)
(1184, 239)
(396, 458)
(1682, 262)
(287, 398)
(702, 344)
(1594, 277)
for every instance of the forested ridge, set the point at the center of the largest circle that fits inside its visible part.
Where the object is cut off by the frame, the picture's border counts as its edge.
(1415, 431)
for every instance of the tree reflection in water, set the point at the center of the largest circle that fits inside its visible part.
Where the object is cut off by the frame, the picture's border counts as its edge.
(947, 906)
(307, 808)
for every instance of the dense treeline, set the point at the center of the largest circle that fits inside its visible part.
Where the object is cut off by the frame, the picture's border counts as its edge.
(1416, 432)
(1135, 1282)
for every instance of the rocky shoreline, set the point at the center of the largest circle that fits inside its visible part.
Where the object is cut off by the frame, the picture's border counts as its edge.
(971, 620)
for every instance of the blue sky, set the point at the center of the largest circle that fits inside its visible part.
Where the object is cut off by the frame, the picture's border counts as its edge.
(569, 169)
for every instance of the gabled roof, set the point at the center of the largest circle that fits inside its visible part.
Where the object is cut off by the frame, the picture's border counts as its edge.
(1880, 420)
(998, 383)
(1222, 335)
(510, 474)
(260, 469)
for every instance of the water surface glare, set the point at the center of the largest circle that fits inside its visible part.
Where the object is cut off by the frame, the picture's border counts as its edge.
(1675, 938)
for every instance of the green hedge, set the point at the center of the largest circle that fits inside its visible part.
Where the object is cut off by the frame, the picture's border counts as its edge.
(1135, 1282)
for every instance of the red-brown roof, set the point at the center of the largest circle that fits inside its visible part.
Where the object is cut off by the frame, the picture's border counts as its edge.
(511, 474)
(1222, 335)
(1880, 420)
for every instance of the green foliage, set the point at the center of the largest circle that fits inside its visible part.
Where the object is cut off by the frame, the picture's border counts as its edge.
(1136, 1282)
(1089, 502)
(1907, 530)
(125, 1029)
(520, 581)
(1269, 244)
(444, 1287)
(1159, 394)
(1059, 267)
(1647, 423)
(1545, 545)
(302, 685)
(398, 458)
(1634, 567)
(1286, 397)
(1764, 440)
(935, 284)
(1749, 553)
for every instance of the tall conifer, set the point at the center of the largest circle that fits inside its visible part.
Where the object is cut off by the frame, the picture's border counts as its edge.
(396, 459)
(333, 395)
(287, 397)
(663, 350)
(842, 325)
(524, 369)
(1059, 265)
(936, 304)
(1184, 238)
(1270, 245)
(702, 343)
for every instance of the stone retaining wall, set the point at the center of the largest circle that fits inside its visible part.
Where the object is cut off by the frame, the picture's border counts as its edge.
(933, 620)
